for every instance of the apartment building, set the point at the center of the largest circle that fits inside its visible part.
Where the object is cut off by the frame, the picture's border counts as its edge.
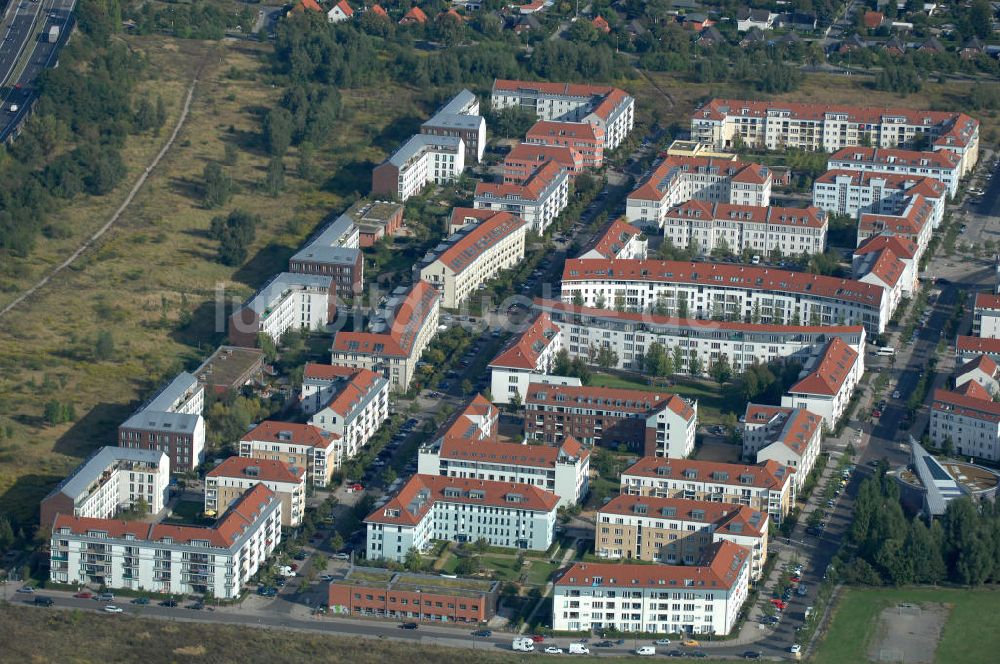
(112, 479)
(526, 158)
(289, 301)
(161, 558)
(609, 109)
(530, 354)
(986, 316)
(231, 368)
(423, 159)
(460, 118)
(678, 179)
(856, 192)
(395, 347)
(334, 252)
(466, 216)
(379, 593)
(585, 139)
(969, 348)
(971, 423)
(869, 258)
(885, 270)
(674, 531)
(431, 507)
(943, 165)
(295, 445)
(984, 371)
(775, 125)
(354, 413)
(375, 220)
(619, 239)
(767, 486)
(913, 223)
(708, 226)
(827, 382)
(170, 422)
(655, 599)
(472, 257)
(646, 422)
(468, 447)
(538, 201)
(630, 335)
(725, 292)
(790, 436)
(227, 482)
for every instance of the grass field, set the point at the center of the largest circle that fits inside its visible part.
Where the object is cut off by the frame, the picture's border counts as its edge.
(969, 636)
(157, 267)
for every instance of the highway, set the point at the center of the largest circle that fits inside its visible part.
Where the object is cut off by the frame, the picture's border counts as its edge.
(22, 41)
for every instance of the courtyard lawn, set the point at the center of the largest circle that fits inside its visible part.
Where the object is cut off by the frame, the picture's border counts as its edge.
(189, 512)
(713, 399)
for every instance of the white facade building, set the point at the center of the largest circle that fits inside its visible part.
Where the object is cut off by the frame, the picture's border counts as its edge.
(289, 301)
(340, 12)
(790, 436)
(984, 371)
(421, 160)
(655, 599)
(299, 445)
(855, 192)
(529, 355)
(354, 414)
(726, 292)
(170, 422)
(868, 258)
(519, 516)
(542, 197)
(619, 240)
(943, 165)
(169, 559)
(226, 483)
(986, 316)
(972, 424)
(678, 179)
(827, 382)
(473, 256)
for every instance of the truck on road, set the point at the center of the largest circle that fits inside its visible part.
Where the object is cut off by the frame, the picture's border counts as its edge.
(53, 34)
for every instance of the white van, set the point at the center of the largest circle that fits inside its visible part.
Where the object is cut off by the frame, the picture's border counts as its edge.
(886, 351)
(523, 644)
(645, 650)
(578, 649)
(755, 260)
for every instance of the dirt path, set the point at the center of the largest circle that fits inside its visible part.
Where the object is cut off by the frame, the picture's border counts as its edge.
(118, 213)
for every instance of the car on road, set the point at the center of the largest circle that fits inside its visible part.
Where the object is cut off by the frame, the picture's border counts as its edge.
(690, 643)
(409, 625)
(645, 650)
(795, 649)
(169, 603)
(483, 633)
(697, 654)
(537, 638)
(84, 595)
(876, 412)
(197, 606)
(676, 653)
(44, 601)
(263, 591)
(552, 650)
(779, 604)
(802, 590)
(341, 556)
(895, 394)
(603, 644)
(141, 601)
(751, 654)
(105, 597)
(111, 608)
(796, 579)
(27, 590)
(661, 642)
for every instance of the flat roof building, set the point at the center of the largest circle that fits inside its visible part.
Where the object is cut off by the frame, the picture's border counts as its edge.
(289, 301)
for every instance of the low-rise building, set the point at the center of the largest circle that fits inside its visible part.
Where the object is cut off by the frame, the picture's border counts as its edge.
(725, 291)
(465, 216)
(340, 12)
(406, 326)
(231, 368)
(380, 593)
(619, 239)
(538, 201)
(289, 301)
(468, 447)
(970, 423)
(460, 117)
(678, 179)
(655, 599)
(942, 165)
(790, 436)
(295, 445)
(112, 479)
(585, 139)
(747, 18)
(739, 228)
(227, 482)
(472, 257)
(421, 160)
(767, 486)
(982, 370)
(170, 422)
(827, 382)
(630, 337)
(986, 316)
(169, 559)
(334, 252)
(969, 348)
(530, 354)
(646, 422)
(869, 254)
(357, 408)
(856, 192)
(675, 531)
(375, 220)
(519, 516)
(526, 158)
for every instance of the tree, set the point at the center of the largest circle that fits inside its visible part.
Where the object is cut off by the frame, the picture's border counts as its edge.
(388, 475)
(656, 359)
(278, 128)
(755, 316)
(468, 565)
(695, 365)
(337, 541)
(682, 305)
(928, 564)
(467, 387)
(481, 545)
(599, 301)
(722, 249)
(606, 358)
(679, 364)
(235, 233)
(306, 169)
(218, 186)
(104, 347)
(583, 32)
(274, 180)
(413, 561)
(266, 344)
(6, 533)
(721, 371)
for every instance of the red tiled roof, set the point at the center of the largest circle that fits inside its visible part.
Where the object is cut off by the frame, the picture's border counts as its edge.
(887, 267)
(768, 475)
(620, 400)
(377, 9)
(834, 367)
(559, 89)
(290, 433)
(680, 509)
(467, 424)
(346, 8)
(512, 454)
(357, 387)
(420, 493)
(721, 274)
(310, 5)
(583, 131)
(568, 307)
(563, 155)
(720, 568)
(978, 345)
(910, 184)
(902, 247)
(983, 363)
(319, 371)
(478, 240)
(414, 15)
(524, 352)
(873, 19)
(911, 222)
(974, 390)
(658, 184)
(858, 155)
(983, 409)
(987, 301)
(809, 217)
(398, 341)
(531, 190)
(798, 425)
(606, 107)
(460, 216)
(601, 24)
(614, 239)
(267, 470)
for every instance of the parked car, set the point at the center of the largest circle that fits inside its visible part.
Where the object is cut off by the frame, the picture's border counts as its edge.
(111, 608)
(552, 650)
(483, 633)
(537, 638)
(26, 590)
(895, 394)
(795, 649)
(44, 601)
(779, 604)
(84, 595)
(751, 654)
(690, 643)
(341, 556)
(197, 606)
(802, 591)
(409, 625)
(142, 601)
(661, 642)
(169, 603)
(106, 597)
(603, 644)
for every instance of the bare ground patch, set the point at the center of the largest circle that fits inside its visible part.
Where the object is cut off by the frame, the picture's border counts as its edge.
(908, 633)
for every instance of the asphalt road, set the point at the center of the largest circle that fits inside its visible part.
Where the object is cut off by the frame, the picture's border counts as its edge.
(18, 21)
